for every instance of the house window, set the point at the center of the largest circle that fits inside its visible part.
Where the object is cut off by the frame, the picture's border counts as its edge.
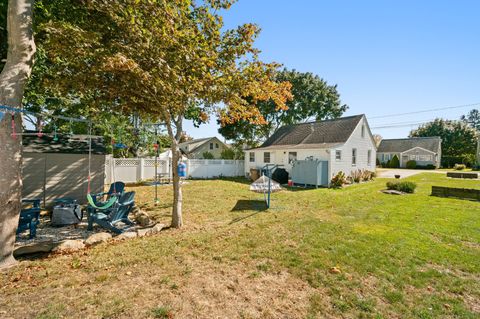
(354, 156)
(338, 155)
(266, 157)
(292, 156)
(363, 130)
(211, 146)
(216, 145)
(252, 157)
(369, 156)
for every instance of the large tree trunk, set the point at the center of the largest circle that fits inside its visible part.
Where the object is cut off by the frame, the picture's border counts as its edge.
(177, 220)
(21, 49)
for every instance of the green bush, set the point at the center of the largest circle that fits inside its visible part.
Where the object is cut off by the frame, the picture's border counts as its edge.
(387, 164)
(338, 180)
(228, 154)
(459, 167)
(404, 186)
(207, 155)
(411, 164)
(395, 162)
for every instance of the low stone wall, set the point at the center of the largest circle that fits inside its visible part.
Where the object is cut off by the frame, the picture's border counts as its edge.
(462, 175)
(464, 193)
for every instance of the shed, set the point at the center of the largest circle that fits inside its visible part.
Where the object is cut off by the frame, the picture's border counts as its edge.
(310, 172)
(54, 169)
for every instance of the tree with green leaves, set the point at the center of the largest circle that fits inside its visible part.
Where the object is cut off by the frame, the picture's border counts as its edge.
(313, 99)
(472, 119)
(162, 60)
(458, 138)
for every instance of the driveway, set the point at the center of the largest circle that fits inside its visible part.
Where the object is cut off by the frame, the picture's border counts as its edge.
(391, 172)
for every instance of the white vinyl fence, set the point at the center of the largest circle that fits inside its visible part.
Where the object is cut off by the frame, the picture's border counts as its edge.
(132, 170)
(199, 168)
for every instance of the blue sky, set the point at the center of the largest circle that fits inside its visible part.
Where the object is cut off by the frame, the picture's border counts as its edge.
(387, 57)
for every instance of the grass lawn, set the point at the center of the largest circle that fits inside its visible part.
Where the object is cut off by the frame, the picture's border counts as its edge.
(348, 253)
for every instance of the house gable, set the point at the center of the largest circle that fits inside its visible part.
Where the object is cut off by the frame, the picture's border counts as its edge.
(418, 148)
(196, 150)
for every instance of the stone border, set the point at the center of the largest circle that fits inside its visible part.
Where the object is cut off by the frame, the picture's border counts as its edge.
(72, 245)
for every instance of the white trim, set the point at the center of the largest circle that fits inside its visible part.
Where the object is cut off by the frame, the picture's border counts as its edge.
(418, 148)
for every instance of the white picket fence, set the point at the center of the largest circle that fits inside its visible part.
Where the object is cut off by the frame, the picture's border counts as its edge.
(132, 170)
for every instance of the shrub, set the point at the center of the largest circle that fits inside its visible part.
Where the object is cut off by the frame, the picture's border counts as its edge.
(367, 175)
(404, 186)
(207, 155)
(395, 162)
(411, 164)
(387, 164)
(378, 162)
(459, 167)
(356, 176)
(338, 180)
(228, 154)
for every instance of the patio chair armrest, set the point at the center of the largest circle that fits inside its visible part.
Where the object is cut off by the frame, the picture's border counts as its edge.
(35, 202)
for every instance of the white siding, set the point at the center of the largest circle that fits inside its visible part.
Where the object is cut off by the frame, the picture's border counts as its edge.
(362, 144)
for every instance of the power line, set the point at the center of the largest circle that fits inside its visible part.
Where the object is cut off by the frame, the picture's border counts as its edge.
(426, 111)
(398, 125)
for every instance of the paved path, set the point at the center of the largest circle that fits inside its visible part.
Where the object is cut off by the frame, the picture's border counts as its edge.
(391, 172)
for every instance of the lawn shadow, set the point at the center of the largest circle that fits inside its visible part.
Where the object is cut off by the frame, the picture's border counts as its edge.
(248, 204)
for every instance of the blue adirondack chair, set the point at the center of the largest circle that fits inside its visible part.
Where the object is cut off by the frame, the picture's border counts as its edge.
(116, 188)
(118, 212)
(29, 217)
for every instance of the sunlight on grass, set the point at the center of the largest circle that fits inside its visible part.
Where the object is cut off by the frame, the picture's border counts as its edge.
(393, 256)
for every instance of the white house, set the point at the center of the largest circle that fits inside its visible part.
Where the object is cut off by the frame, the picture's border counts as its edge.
(346, 143)
(198, 147)
(423, 150)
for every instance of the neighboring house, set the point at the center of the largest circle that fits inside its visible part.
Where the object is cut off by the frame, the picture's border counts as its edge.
(55, 169)
(196, 148)
(424, 150)
(346, 143)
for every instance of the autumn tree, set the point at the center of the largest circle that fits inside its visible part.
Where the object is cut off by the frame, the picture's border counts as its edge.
(378, 139)
(313, 99)
(163, 60)
(16, 70)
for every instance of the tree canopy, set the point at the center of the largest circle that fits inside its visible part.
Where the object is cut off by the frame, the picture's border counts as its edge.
(313, 99)
(159, 60)
(472, 119)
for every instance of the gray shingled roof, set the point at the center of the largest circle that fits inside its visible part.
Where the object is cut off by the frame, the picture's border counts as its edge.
(405, 144)
(74, 144)
(194, 141)
(322, 134)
